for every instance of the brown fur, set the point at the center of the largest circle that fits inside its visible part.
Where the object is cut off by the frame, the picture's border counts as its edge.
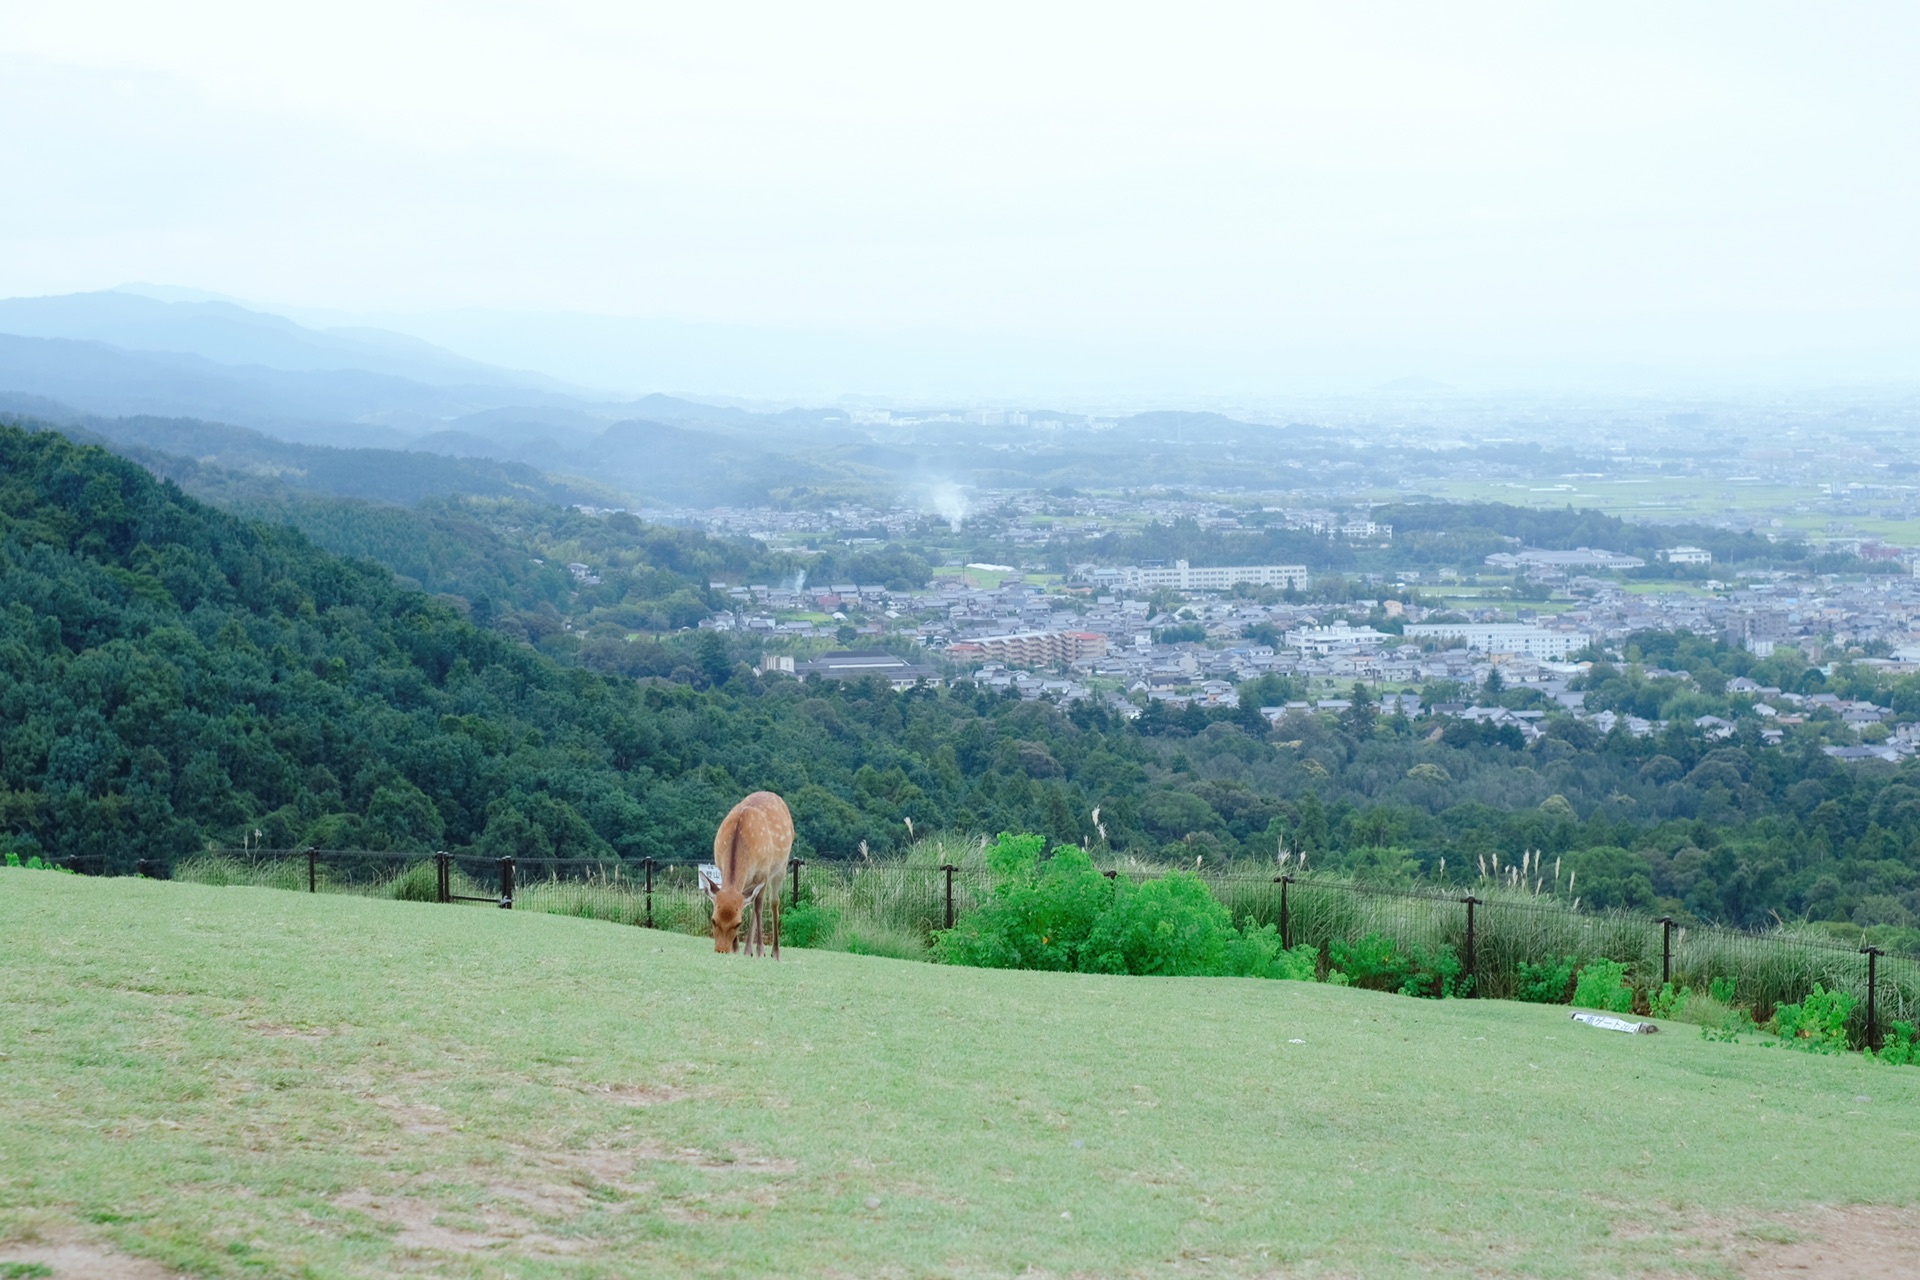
(751, 850)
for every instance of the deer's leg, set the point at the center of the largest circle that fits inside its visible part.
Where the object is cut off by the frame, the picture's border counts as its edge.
(756, 948)
(776, 928)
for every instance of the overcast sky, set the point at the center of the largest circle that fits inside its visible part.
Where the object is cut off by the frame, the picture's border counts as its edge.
(1453, 190)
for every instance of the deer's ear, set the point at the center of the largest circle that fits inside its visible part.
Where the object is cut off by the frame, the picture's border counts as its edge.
(713, 890)
(753, 894)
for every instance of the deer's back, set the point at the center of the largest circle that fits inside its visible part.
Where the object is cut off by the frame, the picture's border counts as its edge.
(753, 842)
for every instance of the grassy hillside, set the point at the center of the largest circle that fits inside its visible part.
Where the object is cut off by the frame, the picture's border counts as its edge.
(243, 1082)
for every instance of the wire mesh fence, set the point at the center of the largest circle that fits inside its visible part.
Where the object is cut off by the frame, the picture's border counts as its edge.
(894, 907)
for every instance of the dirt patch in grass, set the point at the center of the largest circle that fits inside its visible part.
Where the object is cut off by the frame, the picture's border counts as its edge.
(501, 1224)
(417, 1223)
(415, 1117)
(1855, 1242)
(280, 1030)
(638, 1095)
(78, 1260)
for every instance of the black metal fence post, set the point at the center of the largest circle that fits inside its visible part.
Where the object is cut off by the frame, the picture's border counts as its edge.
(949, 868)
(1286, 922)
(444, 879)
(648, 864)
(1666, 950)
(793, 866)
(1472, 958)
(1873, 955)
(506, 883)
(313, 870)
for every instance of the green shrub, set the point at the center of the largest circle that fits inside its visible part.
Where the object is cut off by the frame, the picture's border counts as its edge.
(1735, 1023)
(1037, 916)
(1372, 962)
(34, 862)
(1669, 1001)
(1602, 984)
(1817, 1024)
(1063, 914)
(1254, 952)
(1169, 926)
(1548, 982)
(806, 924)
(1376, 963)
(1902, 1047)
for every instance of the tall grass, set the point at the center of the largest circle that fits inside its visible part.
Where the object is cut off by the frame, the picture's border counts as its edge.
(410, 878)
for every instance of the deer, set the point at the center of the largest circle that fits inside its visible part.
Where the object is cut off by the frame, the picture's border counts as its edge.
(749, 860)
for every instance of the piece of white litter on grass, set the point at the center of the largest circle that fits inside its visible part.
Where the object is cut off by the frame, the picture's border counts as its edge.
(1296, 1042)
(1605, 1023)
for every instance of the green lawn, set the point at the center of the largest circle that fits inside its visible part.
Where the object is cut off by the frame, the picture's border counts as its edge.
(246, 1082)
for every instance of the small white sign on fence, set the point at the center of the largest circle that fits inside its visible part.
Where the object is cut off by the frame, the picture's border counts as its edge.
(710, 874)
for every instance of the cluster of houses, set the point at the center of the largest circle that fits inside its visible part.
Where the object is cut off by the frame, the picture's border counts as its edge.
(1096, 637)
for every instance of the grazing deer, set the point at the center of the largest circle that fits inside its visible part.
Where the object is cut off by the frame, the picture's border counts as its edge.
(750, 859)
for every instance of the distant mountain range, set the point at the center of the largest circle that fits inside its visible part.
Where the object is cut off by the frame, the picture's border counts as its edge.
(359, 412)
(214, 380)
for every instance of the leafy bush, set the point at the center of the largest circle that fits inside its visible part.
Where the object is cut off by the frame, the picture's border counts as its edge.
(1664, 1004)
(1037, 917)
(1549, 982)
(806, 923)
(1254, 952)
(1902, 1047)
(1376, 963)
(1063, 914)
(34, 862)
(1603, 985)
(1172, 925)
(1736, 1023)
(1817, 1024)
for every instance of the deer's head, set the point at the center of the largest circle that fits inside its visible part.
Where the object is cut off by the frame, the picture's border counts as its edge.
(730, 906)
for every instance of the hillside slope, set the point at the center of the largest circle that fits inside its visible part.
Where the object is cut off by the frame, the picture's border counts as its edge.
(170, 674)
(244, 1082)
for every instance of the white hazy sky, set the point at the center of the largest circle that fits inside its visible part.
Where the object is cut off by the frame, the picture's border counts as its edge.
(1453, 189)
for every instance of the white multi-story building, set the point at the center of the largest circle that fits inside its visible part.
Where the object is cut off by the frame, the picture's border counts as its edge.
(1502, 637)
(1321, 641)
(1687, 555)
(1185, 577)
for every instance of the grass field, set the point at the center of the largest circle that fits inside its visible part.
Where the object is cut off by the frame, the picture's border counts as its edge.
(246, 1082)
(1807, 508)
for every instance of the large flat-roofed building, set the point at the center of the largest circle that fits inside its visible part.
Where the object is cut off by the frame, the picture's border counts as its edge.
(1501, 637)
(1578, 558)
(1186, 577)
(1031, 648)
(858, 664)
(1325, 640)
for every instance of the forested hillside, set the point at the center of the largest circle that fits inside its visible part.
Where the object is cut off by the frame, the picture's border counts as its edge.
(170, 675)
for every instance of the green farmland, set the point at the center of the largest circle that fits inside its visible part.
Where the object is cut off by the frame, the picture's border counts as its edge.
(247, 1082)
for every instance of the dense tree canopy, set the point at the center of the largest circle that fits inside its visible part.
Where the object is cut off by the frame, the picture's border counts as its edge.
(171, 675)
